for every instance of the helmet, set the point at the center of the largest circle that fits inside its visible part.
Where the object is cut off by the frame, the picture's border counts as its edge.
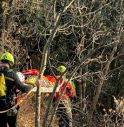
(31, 72)
(8, 57)
(21, 76)
(61, 68)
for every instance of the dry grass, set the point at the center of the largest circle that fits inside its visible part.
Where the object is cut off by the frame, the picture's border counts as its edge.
(26, 114)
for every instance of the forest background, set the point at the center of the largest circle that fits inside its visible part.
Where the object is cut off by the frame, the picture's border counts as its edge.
(87, 36)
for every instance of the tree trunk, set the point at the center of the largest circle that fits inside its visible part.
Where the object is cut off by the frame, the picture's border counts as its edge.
(81, 90)
(101, 82)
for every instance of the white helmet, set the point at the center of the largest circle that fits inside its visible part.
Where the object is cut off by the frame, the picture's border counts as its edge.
(21, 76)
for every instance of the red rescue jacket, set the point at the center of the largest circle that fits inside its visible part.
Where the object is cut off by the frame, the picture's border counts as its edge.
(69, 91)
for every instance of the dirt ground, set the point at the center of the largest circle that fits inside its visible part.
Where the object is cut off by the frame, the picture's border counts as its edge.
(26, 114)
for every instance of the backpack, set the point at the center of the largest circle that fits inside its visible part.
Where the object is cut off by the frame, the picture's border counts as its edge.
(2, 85)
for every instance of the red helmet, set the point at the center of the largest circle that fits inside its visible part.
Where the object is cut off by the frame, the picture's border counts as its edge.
(31, 72)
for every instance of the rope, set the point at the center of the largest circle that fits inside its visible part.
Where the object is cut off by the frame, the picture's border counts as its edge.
(21, 100)
(18, 103)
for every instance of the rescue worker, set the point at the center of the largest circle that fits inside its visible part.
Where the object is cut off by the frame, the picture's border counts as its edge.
(64, 111)
(12, 82)
(30, 76)
(64, 108)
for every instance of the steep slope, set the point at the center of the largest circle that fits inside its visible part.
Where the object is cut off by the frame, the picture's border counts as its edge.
(26, 114)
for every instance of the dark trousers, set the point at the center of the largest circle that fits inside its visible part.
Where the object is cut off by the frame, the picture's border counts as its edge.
(8, 120)
(64, 113)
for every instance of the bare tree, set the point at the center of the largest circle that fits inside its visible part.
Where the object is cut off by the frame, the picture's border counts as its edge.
(84, 35)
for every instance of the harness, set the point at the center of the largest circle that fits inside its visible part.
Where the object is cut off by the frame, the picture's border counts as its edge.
(18, 103)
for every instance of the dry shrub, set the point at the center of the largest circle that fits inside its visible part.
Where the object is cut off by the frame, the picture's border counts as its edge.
(119, 105)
